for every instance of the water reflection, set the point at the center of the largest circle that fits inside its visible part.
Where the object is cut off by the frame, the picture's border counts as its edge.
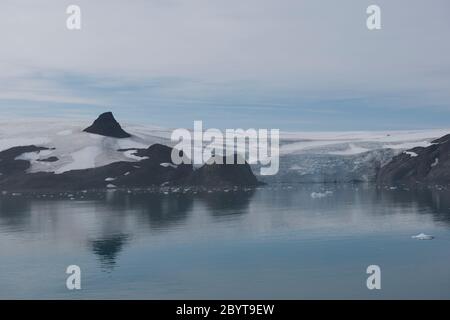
(108, 222)
(107, 249)
(425, 200)
(225, 204)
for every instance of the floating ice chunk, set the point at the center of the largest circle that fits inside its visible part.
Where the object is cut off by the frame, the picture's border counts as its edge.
(111, 186)
(318, 195)
(423, 236)
(110, 179)
(126, 173)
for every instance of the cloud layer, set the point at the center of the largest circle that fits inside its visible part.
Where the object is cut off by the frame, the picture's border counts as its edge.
(306, 59)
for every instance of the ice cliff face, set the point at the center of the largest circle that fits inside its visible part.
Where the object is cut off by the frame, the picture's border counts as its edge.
(343, 156)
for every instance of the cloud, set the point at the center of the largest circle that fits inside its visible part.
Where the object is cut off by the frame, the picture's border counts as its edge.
(226, 52)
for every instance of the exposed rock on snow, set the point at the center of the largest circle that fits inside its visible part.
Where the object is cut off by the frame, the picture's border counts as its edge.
(224, 175)
(106, 125)
(431, 166)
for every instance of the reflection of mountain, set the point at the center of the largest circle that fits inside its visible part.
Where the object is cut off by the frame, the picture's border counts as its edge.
(154, 210)
(437, 200)
(108, 248)
(227, 203)
(162, 212)
(14, 212)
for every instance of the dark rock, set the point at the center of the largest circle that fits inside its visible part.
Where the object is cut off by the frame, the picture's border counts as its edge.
(157, 170)
(49, 159)
(106, 125)
(156, 153)
(431, 166)
(224, 175)
(8, 163)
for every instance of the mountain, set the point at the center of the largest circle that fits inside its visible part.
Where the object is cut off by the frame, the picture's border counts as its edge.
(106, 125)
(61, 151)
(50, 165)
(419, 166)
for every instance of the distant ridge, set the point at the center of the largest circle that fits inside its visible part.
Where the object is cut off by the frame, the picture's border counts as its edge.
(106, 125)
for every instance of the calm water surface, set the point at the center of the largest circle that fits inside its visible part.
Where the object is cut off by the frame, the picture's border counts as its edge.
(272, 243)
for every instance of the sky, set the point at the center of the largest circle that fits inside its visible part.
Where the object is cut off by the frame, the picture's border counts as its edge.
(295, 65)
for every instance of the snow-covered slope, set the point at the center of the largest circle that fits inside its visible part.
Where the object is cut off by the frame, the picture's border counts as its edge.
(305, 156)
(74, 148)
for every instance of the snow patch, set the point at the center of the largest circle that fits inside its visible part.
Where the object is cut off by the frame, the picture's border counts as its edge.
(33, 156)
(130, 154)
(165, 165)
(411, 154)
(435, 163)
(82, 159)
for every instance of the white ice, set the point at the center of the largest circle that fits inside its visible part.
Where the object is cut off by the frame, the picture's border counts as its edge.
(423, 236)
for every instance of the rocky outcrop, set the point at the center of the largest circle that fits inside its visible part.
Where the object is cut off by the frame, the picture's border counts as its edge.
(419, 166)
(155, 170)
(8, 163)
(224, 175)
(106, 125)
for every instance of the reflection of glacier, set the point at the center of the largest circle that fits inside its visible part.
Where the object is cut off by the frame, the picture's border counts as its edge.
(304, 156)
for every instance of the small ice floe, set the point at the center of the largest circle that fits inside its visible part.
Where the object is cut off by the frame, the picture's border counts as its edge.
(110, 179)
(318, 195)
(165, 165)
(411, 154)
(111, 186)
(423, 236)
(126, 173)
(435, 163)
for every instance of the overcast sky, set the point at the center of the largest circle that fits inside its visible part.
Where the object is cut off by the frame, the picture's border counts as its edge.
(289, 64)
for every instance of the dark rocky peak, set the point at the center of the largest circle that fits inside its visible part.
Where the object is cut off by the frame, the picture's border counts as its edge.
(106, 125)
